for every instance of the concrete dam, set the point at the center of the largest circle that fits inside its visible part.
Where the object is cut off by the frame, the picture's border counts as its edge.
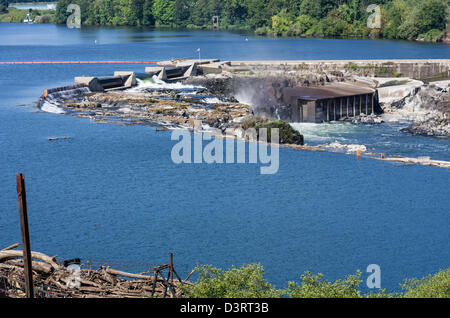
(279, 88)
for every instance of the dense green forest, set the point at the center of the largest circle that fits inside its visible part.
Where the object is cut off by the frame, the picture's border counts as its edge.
(401, 19)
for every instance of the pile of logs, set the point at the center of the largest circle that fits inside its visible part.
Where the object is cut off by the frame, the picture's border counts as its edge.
(58, 279)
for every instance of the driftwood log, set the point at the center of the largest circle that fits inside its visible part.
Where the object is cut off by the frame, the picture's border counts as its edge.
(8, 254)
(53, 279)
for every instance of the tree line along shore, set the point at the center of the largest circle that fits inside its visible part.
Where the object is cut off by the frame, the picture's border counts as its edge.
(423, 20)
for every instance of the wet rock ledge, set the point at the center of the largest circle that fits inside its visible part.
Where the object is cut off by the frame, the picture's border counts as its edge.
(173, 109)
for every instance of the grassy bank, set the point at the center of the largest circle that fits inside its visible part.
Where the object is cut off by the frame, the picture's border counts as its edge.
(17, 15)
(249, 282)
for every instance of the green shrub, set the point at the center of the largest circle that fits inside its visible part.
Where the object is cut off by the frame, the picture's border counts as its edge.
(303, 23)
(249, 282)
(287, 134)
(262, 31)
(437, 286)
(245, 282)
(432, 35)
(281, 23)
(13, 15)
(351, 66)
(315, 286)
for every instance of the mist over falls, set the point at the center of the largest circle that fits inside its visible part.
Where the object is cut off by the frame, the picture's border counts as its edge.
(263, 94)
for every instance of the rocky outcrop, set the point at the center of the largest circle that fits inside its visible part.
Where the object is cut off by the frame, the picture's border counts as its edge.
(167, 108)
(287, 134)
(438, 126)
(427, 107)
(365, 119)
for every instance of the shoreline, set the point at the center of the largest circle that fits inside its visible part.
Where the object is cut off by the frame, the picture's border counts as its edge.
(243, 32)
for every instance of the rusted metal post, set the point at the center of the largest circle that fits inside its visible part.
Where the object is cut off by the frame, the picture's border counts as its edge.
(171, 268)
(23, 211)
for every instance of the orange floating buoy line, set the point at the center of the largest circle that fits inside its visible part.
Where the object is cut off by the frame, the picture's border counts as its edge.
(78, 62)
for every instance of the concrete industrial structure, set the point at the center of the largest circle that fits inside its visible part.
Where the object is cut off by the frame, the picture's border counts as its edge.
(178, 70)
(330, 103)
(120, 80)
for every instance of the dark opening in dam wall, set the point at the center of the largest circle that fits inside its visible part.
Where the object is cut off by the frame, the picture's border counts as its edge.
(330, 103)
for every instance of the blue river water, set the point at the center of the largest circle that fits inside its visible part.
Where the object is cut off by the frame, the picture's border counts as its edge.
(113, 193)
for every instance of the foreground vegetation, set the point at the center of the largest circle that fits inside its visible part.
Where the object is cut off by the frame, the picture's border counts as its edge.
(248, 282)
(401, 19)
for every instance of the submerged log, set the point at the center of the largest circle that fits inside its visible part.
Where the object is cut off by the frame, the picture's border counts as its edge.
(11, 247)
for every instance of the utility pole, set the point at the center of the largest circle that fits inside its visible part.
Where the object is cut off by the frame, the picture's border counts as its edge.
(23, 212)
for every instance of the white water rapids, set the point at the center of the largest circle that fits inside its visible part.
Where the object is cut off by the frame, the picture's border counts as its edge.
(54, 100)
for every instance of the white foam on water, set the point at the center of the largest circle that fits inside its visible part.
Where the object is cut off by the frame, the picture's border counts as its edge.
(49, 107)
(124, 110)
(212, 100)
(156, 83)
(349, 148)
(53, 101)
(324, 132)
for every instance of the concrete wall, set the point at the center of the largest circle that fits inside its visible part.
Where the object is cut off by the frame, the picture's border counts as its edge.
(417, 69)
(127, 80)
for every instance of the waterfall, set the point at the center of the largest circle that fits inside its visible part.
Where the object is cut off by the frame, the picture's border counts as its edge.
(54, 100)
